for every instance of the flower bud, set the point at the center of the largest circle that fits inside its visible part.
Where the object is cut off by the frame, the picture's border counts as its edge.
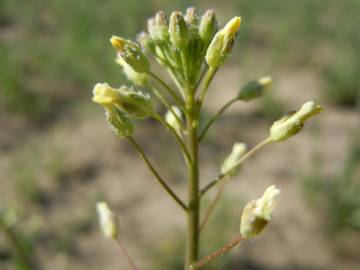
(172, 120)
(145, 41)
(137, 78)
(108, 221)
(134, 103)
(131, 53)
(293, 122)
(230, 164)
(208, 26)
(254, 89)
(178, 30)
(222, 43)
(191, 16)
(257, 214)
(161, 26)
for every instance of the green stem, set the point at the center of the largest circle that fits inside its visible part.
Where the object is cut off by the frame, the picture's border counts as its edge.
(193, 213)
(168, 88)
(176, 135)
(221, 177)
(220, 112)
(167, 105)
(161, 181)
(208, 78)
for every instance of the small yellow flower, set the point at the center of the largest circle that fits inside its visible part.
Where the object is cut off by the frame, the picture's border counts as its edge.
(257, 214)
(125, 99)
(108, 220)
(231, 28)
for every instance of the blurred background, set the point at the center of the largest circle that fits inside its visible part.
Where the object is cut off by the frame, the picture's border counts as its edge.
(58, 156)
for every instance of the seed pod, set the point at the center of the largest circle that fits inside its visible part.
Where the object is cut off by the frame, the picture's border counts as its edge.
(293, 122)
(257, 214)
(108, 220)
(222, 43)
(230, 165)
(208, 26)
(120, 123)
(254, 89)
(178, 30)
(131, 53)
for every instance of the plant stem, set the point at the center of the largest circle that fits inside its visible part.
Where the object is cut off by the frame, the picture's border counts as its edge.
(212, 206)
(233, 243)
(208, 78)
(156, 174)
(221, 177)
(129, 259)
(176, 135)
(168, 88)
(167, 105)
(223, 108)
(193, 212)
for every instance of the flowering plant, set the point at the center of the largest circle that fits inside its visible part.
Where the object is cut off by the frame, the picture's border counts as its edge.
(191, 48)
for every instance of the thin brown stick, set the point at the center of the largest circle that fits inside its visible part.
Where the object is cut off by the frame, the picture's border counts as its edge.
(212, 205)
(227, 247)
(126, 254)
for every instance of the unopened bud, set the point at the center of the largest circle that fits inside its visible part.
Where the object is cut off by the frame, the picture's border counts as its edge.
(131, 53)
(178, 30)
(191, 16)
(108, 221)
(208, 26)
(145, 41)
(134, 103)
(293, 122)
(222, 43)
(257, 214)
(161, 26)
(173, 120)
(230, 165)
(254, 89)
(137, 78)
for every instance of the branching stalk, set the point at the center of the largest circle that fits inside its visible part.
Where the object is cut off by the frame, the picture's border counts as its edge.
(227, 247)
(217, 115)
(161, 181)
